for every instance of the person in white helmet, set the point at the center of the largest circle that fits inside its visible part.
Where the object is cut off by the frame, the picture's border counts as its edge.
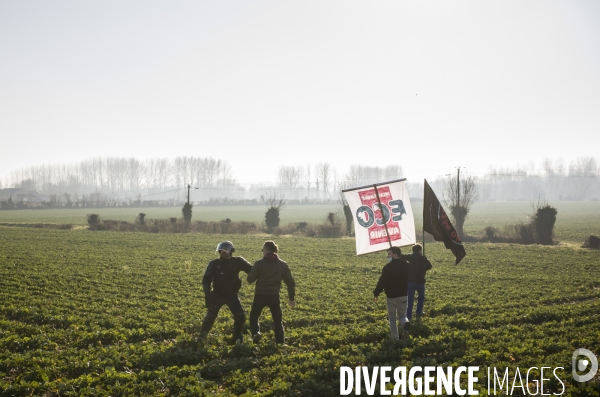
(223, 274)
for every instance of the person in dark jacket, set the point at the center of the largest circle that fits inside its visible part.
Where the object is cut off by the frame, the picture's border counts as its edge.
(394, 281)
(268, 273)
(223, 274)
(419, 265)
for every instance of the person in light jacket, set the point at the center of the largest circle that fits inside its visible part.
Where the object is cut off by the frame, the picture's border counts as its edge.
(268, 273)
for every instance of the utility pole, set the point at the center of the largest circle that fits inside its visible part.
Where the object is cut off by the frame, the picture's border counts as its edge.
(188, 193)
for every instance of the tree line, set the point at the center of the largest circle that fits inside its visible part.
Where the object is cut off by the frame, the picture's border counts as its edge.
(116, 174)
(554, 179)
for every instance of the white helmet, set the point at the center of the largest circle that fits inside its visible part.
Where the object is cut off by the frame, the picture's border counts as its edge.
(225, 246)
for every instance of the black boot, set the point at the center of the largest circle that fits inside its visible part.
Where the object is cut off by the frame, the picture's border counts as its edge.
(207, 325)
(238, 325)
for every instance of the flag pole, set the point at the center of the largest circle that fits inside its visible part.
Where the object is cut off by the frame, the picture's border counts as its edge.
(423, 224)
(387, 233)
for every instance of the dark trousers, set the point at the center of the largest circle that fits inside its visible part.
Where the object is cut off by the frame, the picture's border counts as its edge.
(234, 304)
(420, 290)
(272, 301)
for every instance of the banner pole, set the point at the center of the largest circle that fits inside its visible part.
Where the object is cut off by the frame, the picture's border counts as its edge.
(387, 233)
(423, 224)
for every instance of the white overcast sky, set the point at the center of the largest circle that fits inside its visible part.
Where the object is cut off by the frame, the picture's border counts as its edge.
(428, 85)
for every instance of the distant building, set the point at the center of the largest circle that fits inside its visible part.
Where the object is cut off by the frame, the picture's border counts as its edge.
(22, 195)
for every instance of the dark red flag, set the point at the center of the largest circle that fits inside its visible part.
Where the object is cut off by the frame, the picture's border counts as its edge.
(437, 223)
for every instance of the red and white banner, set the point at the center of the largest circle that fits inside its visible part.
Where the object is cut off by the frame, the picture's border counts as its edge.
(379, 227)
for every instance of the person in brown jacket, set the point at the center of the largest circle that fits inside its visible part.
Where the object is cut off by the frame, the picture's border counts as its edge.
(268, 273)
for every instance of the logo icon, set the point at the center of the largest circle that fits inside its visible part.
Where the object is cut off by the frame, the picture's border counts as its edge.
(383, 219)
(583, 364)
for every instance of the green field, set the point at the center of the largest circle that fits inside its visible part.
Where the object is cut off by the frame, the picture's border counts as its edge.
(575, 220)
(77, 216)
(105, 313)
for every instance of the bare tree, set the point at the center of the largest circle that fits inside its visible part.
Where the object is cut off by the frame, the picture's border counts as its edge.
(274, 203)
(179, 170)
(113, 167)
(359, 175)
(151, 174)
(182, 170)
(226, 178)
(212, 169)
(98, 170)
(194, 163)
(164, 170)
(392, 172)
(324, 171)
(317, 181)
(460, 193)
(86, 172)
(306, 175)
(583, 176)
(273, 199)
(554, 173)
(68, 201)
(134, 174)
(289, 176)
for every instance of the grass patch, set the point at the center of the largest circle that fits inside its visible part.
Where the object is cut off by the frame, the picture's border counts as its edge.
(118, 314)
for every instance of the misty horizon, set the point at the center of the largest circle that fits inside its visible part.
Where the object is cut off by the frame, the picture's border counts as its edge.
(428, 86)
(129, 179)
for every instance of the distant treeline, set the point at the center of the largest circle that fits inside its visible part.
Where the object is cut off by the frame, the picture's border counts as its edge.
(128, 181)
(118, 175)
(554, 180)
(99, 200)
(131, 180)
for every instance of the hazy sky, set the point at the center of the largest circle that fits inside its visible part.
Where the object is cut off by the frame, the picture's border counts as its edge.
(429, 85)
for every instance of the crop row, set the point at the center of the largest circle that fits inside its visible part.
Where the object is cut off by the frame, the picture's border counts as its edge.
(87, 313)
